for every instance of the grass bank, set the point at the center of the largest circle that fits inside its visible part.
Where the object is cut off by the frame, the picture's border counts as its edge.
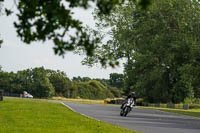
(39, 116)
(78, 100)
(189, 112)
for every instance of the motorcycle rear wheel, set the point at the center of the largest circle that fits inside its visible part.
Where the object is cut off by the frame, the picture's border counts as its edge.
(122, 113)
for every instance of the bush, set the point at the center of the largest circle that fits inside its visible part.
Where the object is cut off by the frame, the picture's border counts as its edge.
(192, 101)
(196, 100)
(188, 101)
(115, 91)
(93, 90)
(194, 106)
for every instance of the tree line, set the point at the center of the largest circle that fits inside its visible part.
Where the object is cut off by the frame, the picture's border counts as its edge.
(44, 83)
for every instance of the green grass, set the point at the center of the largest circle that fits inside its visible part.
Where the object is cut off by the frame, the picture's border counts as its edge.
(189, 112)
(39, 116)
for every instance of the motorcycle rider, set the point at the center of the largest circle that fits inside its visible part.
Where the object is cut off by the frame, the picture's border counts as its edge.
(131, 95)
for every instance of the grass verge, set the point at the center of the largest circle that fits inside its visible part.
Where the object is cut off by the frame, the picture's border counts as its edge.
(189, 112)
(39, 116)
(87, 101)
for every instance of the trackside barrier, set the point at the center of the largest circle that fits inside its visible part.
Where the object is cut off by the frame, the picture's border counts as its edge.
(163, 105)
(157, 105)
(170, 105)
(113, 101)
(173, 106)
(186, 106)
(12, 95)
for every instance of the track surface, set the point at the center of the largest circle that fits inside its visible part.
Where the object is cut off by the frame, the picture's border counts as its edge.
(142, 120)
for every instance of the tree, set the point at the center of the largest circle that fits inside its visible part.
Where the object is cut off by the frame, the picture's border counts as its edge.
(10, 83)
(62, 84)
(1, 41)
(40, 85)
(4, 81)
(160, 45)
(41, 20)
(81, 79)
(116, 80)
(105, 82)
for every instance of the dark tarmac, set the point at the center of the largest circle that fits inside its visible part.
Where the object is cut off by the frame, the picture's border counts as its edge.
(142, 120)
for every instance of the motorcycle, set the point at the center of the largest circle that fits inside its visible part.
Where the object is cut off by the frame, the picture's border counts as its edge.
(127, 107)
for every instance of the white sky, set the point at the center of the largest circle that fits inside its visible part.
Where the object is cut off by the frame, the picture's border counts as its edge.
(15, 55)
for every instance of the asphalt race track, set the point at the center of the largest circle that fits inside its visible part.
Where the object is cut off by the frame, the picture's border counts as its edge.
(142, 120)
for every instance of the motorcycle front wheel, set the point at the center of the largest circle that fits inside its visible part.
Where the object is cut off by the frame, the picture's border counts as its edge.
(126, 111)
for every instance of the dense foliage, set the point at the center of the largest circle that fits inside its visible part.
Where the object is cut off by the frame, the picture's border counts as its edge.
(42, 82)
(161, 47)
(93, 90)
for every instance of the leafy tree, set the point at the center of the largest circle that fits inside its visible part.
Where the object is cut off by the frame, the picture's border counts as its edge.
(15, 84)
(41, 85)
(24, 78)
(1, 41)
(161, 47)
(166, 45)
(42, 20)
(62, 84)
(4, 81)
(10, 83)
(116, 80)
(81, 79)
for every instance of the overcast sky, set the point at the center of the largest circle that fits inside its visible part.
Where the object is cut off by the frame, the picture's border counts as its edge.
(15, 55)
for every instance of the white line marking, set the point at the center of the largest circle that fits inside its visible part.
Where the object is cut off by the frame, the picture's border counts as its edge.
(78, 112)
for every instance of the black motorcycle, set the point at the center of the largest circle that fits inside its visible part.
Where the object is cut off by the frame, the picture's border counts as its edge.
(127, 107)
